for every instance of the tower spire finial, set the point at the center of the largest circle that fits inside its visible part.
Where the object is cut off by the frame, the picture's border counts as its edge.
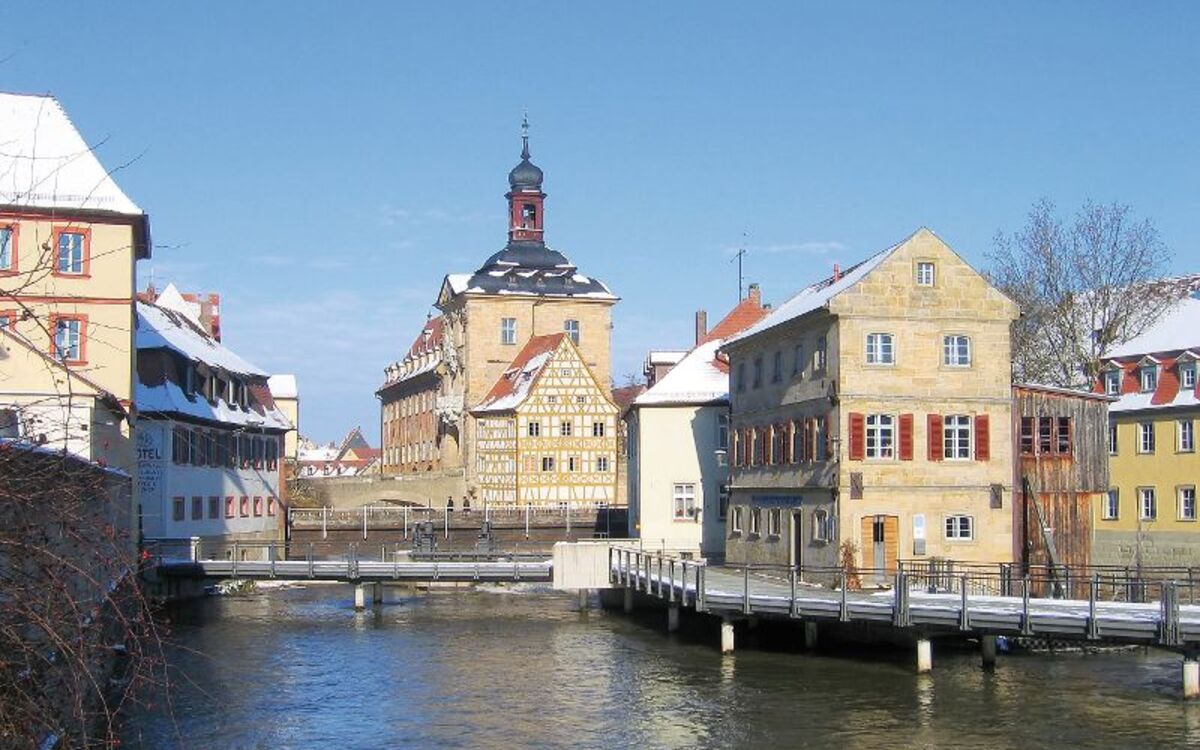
(525, 135)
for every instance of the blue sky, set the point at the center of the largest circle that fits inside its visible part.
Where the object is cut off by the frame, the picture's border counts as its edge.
(322, 167)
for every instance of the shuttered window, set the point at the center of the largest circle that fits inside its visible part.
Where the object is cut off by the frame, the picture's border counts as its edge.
(857, 437)
(906, 437)
(933, 429)
(983, 443)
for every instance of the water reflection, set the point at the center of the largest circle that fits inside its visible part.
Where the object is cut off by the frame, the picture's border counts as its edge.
(300, 668)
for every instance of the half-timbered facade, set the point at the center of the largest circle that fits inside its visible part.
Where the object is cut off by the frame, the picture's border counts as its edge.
(547, 430)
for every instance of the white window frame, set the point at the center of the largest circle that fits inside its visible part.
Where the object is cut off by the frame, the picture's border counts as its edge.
(820, 526)
(75, 265)
(821, 355)
(547, 463)
(926, 273)
(881, 349)
(723, 432)
(1187, 376)
(508, 331)
(1147, 504)
(1145, 438)
(774, 521)
(879, 427)
(954, 428)
(571, 328)
(1148, 378)
(1187, 502)
(1113, 442)
(1112, 383)
(533, 429)
(68, 339)
(683, 501)
(755, 521)
(1185, 441)
(598, 429)
(601, 463)
(6, 247)
(956, 350)
(959, 528)
(565, 428)
(735, 519)
(1111, 508)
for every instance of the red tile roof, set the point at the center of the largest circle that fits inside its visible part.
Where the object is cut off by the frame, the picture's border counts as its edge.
(511, 380)
(433, 327)
(747, 312)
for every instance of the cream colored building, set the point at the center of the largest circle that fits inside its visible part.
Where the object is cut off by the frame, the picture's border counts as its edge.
(525, 290)
(287, 399)
(69, 241)
(547, 430)
(874, 409)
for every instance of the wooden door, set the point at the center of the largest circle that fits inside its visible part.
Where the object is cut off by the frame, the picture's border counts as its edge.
(880, 545)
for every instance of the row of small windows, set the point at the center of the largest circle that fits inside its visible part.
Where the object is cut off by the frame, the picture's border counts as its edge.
(1147, 504)
(795, 442)
(1148, 378)
(565, 429)
(233, 507)
(213, 387)
(72, 250)
(508, 330)
(222, 449)
(417, 403)
(799, 364)
(1045, 436)
(573, 463)
(822, 524)
(1185, 437)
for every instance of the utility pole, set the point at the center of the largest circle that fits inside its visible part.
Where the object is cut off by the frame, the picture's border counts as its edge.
(741, 253)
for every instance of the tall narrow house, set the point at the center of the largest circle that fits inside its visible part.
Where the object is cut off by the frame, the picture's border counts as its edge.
(873, 410)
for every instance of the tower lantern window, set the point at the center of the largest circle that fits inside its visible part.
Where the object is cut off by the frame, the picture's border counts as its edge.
(528, 216)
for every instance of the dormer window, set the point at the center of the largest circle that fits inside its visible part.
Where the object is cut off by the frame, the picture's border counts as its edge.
(1149, 376)
(1187, 375)
(1112, 382)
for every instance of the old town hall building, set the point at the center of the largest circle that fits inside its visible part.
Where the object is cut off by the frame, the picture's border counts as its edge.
(487, 318)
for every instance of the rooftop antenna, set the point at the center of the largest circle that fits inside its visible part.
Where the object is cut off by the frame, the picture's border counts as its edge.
(741, 253)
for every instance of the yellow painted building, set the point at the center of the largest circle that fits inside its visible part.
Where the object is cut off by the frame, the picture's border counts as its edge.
(874, 409)
(69, 241)
(547, 430)
(1149, 516)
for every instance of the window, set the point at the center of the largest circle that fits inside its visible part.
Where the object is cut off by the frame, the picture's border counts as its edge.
(68, 339)
(1187, 503)
(508, 330)
(956, 437)
(572, 464)
(959, 527)
(925, 273)
(564, 429)
(683, 500)
(581, 399)
(180, 452)
(774, 521)
(602, 463)
(1187, 437)
(819, 355)
(1112, 383)
(1062, 436)
(72, 253)
(880, 435)
(597, 429)
(534, 429)
(258, 506)
(1027, 436)
(528, 216)
(1112, 438)
(10, 424)
(1145, 437)
(741, 377)
(1147, 504)
(244, 507)
(272, 454)
(229, 507)
(756, 520)
(1045, 434)
(798, 360)
(270, 506)
(723, 502)
(571, 327)
(8, 249)
(197, 508)
(1149, 377)
(723, 432)
(214, 507)
(1112, 505)
(778, 445)
(758, 372)
(756, 446)
(880, 350)
(956, 351)
(547, 463)
(178, 508)
(777, 367)
(820, 525)
(735, 519)
(1187, 375)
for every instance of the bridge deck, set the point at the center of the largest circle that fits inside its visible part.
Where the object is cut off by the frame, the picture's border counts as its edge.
(361, 570)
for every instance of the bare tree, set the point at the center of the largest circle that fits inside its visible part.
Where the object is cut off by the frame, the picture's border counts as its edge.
(1083, 288)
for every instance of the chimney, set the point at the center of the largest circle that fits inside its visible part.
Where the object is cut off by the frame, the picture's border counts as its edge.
(701, 326)
(837, 272)
(754, 294)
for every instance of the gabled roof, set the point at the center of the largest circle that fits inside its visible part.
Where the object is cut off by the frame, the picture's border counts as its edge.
(283, 386)
(515, 384)
(45, 163)
(1177, 329)
(819, 294)
(745, 314)
(161, 328)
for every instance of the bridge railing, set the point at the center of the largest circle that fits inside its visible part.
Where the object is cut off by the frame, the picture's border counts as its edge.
(403, 517)
(196, 550)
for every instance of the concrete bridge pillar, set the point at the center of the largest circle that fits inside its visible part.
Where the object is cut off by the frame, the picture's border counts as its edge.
(584, 600)
(726, 635)
(628, 599)
(1191, 676)
(377, 593)
(360, 596)
(672, 618)
(987, 649)
(810, 634)
(924, 656)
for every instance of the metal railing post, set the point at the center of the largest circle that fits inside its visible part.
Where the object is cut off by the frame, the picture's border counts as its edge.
(844, 610)
(1168, 632)
(660, 576)
(900, 615)
(1093, 628)
(405, 533)
(746, 589)
(964, 621)
(701, 593)
(792, 586)
(671, 586)
(324, 522)
(1026, 625)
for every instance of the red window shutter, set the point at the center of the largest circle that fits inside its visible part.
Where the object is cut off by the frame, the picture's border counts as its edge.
(934, 431)
(857, 437)
(983, 442)
(906, 437)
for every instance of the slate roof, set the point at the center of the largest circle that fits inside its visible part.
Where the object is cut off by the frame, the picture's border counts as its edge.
(531, 268)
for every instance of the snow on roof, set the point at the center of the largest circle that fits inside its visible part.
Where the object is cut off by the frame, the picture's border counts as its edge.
(514, 385)
(697, 379)
(159, 328)
(171, 299)
(45, 163)
(458, 282)
(169, 398)
(666, 357)
(283, 386)
(815, 295)
(1186, 397)
(1178, 328)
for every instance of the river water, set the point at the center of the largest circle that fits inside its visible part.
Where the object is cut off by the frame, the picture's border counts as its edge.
(299, 668)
